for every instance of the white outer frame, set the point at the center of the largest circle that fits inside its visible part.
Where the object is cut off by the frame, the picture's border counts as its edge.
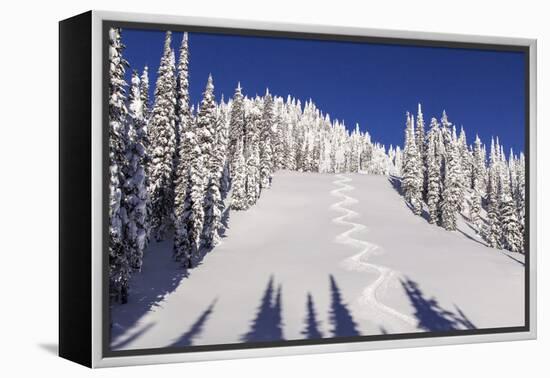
(97, 331)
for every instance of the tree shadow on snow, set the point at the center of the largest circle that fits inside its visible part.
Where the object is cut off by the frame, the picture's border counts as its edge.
(196, 329)
(339, 315)
(471, 237)
(396, 185)
(513, 258)
(225, 222)
(311, 330)
(146, 295)
(267, 325)
(468, 223)
(430, 315)
(395, 182)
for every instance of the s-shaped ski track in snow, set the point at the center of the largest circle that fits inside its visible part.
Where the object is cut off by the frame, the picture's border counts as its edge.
(374, 309)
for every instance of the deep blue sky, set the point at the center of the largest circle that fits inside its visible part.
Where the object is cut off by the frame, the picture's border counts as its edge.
(372, 84)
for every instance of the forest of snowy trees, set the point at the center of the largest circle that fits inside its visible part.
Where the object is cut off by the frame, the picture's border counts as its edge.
(447, 177)
(175, 169)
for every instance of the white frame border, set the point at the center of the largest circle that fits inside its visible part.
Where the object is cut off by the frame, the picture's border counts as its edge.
(97, 80)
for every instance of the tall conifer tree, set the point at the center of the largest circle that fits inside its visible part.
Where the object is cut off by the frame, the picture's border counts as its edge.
(119, 261)
(162, 139)
(135, 185)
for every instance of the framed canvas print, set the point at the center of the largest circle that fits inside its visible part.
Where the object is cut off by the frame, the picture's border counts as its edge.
(235, 188)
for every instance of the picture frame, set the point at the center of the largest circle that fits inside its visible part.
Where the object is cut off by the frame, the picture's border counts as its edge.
(84, 315)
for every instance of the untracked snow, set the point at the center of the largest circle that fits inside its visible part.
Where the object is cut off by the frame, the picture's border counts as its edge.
(322, 254)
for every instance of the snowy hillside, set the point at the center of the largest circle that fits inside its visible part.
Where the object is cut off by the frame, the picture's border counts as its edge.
(333, 255)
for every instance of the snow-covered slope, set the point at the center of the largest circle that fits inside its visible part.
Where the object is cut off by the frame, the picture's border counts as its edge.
(335, 255)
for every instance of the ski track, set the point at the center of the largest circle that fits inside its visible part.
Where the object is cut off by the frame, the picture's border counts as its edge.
(359, 262)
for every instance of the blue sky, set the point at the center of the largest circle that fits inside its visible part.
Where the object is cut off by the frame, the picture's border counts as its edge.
(371, 84)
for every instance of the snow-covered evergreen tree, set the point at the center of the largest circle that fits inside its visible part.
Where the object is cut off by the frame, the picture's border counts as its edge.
(206, 128)
(212, 213)
(279, 136)
(162, 140)
(420, 139)
(196, 198)
(466, 165)
(266, 152)
(206, 131)
(214, 205)
(183, 110)
(452, 191)
(183, 224)
(186, 143)
(252, 151)
(119, 261)
(144, 92)
(433, 170)
(512, 233)
(419, 132)
(520, 190)
(190, 213)
(184, 126)
(239, 199)
(398, 161)
(412, 172)
(493, 234)
(222, 144)
(478, 182)
(135, 183)
(236, 125)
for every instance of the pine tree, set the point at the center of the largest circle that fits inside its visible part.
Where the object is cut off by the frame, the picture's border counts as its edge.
(183, 248)
(236, 125)
(465, 165)
(452, 192)
(183, 110)
(512, 169)
(239, 199)
(206, 128)
(419, 132)
(520, 191)
(119, 262)
(184, 127)
(510, 227)
(186, 143)
(412, 174)
(512, 234)
(279, 136)
(354, 149)
(135, 184)
(207, 138)
(252, 152)
(212, 213)
(421, 146)
(222, 145)
(478, 174)
(214, 205)
(433, 162)
(144, 92)
(162, 139)
(196, 198)
(266, 153)
(190, 212)
(493, 234)
(398, 161)
(316, 152)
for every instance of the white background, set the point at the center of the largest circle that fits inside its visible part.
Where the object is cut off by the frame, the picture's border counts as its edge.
(28, 185)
